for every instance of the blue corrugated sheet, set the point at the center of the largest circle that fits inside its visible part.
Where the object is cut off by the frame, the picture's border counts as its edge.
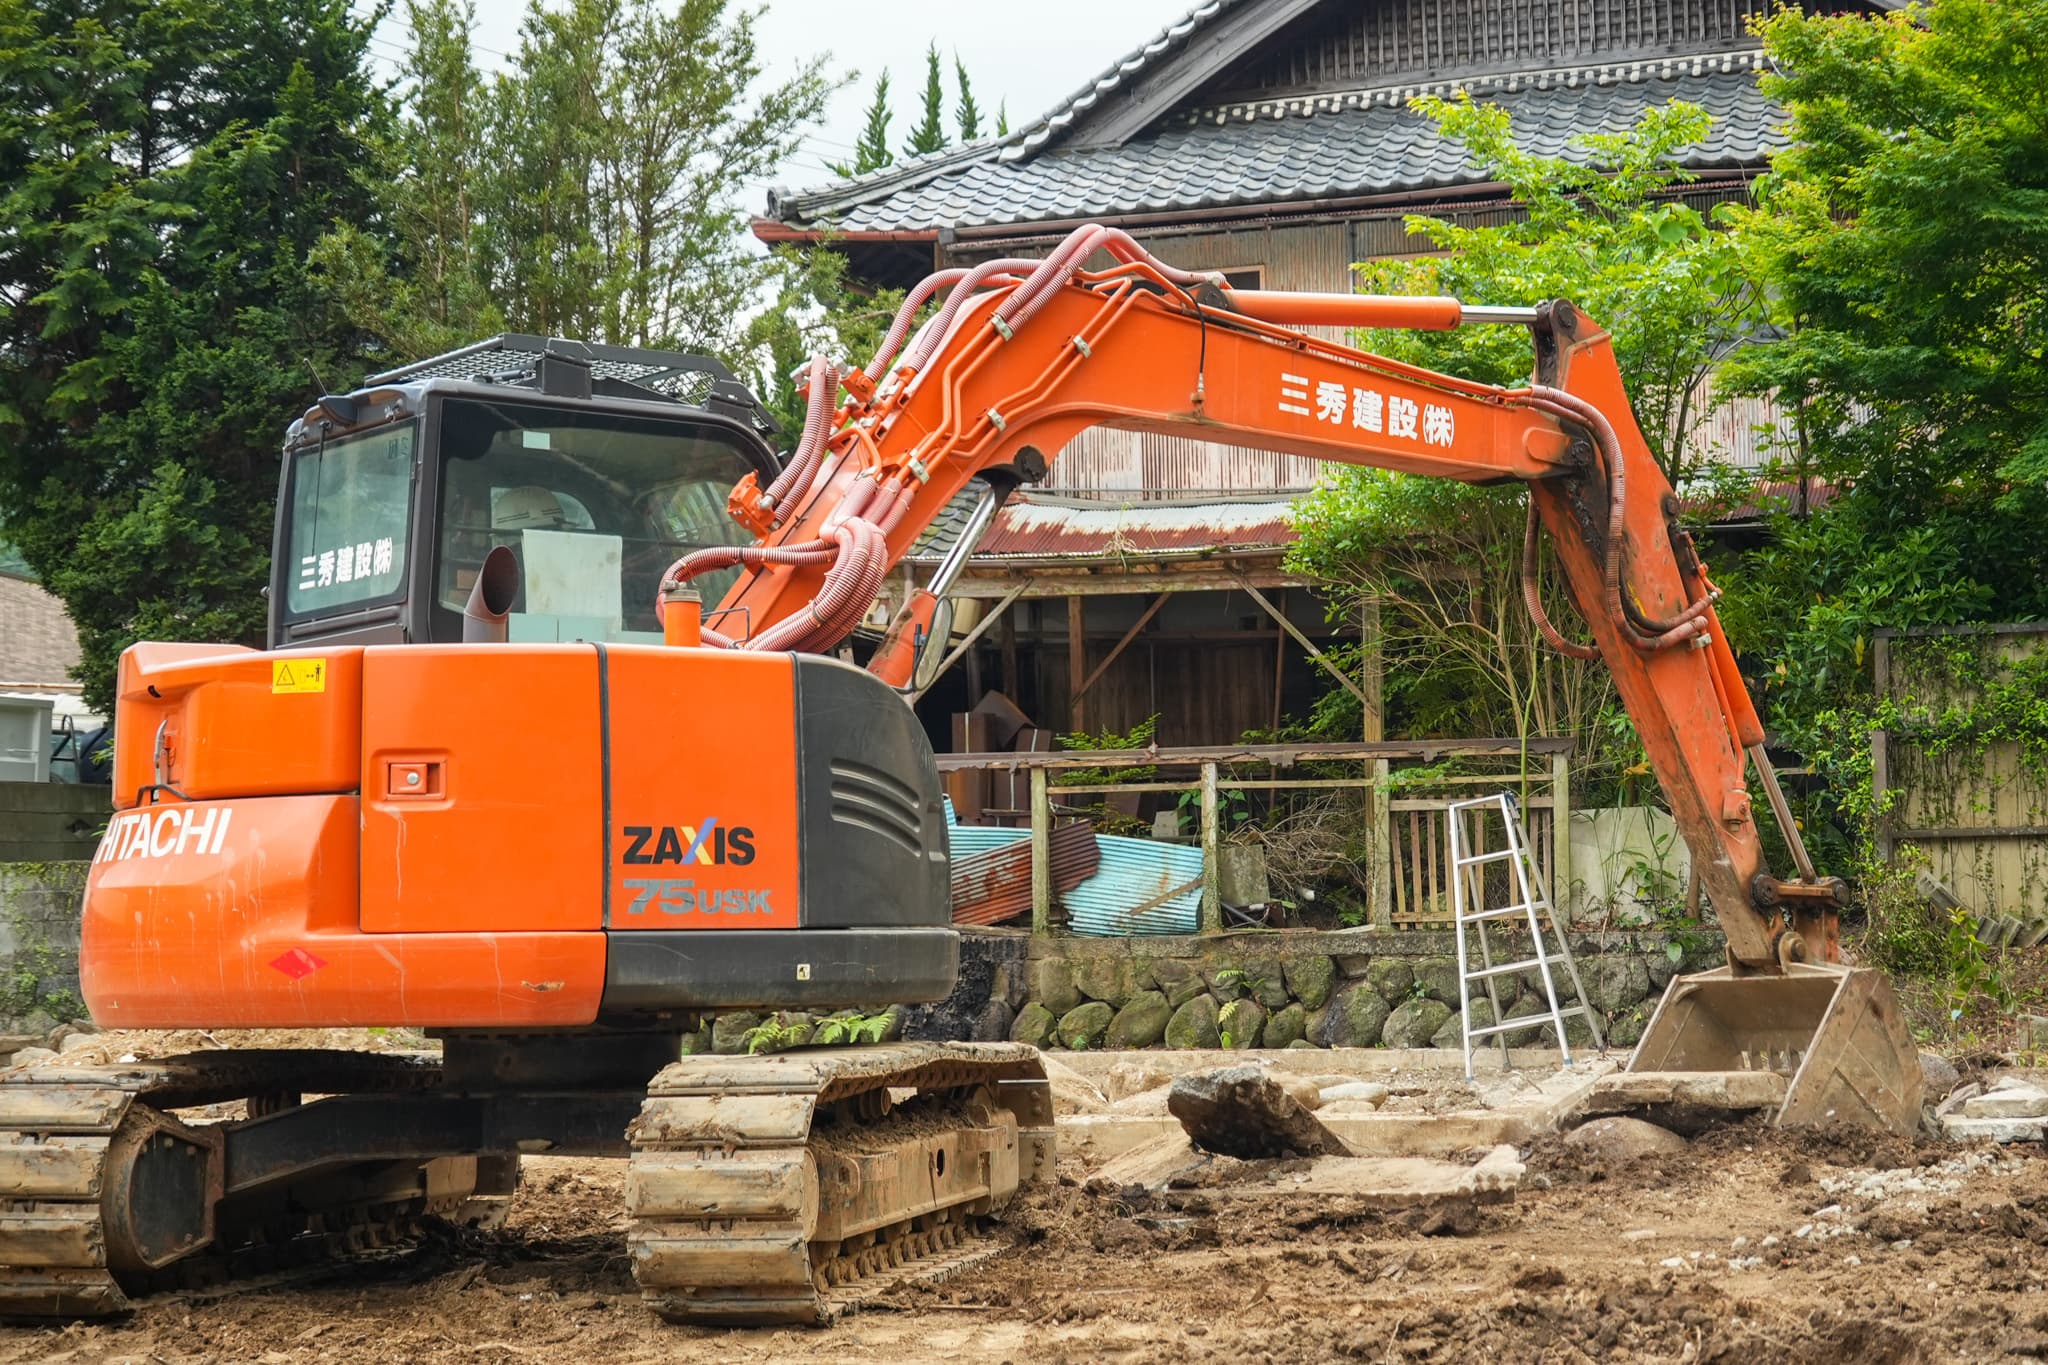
(1133, 873)
(1136, 872)
(963, 840)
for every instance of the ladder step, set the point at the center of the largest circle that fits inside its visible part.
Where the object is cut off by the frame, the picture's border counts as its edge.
(1485, 972)
(1486, 857)
(1503, 911)
(1526, 1021)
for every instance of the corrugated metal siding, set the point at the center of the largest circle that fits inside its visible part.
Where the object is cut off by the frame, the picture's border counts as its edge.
(1102, 460)
(1134, 872)
(1376, 42)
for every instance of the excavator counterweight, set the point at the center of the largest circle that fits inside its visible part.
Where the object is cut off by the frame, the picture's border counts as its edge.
(501, 775)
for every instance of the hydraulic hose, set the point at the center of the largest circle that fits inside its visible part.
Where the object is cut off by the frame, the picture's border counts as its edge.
(1652, 635)
(1532, 595)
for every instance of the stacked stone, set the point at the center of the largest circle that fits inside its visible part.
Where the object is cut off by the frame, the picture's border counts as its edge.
(1231, 995)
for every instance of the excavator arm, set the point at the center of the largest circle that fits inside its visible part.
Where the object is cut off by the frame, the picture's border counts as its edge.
(1024, 355)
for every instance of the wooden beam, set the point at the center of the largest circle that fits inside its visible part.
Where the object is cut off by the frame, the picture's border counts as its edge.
(1309, 645)
(1077, 660)
(1122, 644)
(1279, 667)
(980, 629)
(1372, 686)
(1010, 675)
(1212, 894)
(1278, 755)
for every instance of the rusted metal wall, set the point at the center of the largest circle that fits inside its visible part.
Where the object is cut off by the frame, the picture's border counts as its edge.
(1144, 465)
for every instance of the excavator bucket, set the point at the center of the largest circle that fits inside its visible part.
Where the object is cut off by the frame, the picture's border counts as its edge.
(1831, 1039)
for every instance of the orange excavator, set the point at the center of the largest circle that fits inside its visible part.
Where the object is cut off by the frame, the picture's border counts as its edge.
(501, 777)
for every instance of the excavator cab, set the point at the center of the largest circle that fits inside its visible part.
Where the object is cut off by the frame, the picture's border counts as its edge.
(596, 466)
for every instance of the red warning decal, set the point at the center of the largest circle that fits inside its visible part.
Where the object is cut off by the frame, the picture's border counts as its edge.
(298, 964)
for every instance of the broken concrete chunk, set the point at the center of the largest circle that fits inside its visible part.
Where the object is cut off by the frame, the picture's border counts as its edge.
(1737, 1090)
(1620, 1139)
(1938, 1075)
(1132, 1078)
(1356, 1092)
(1243, 1111)
(1961, 1128)
(2008, 1102)
(1072, 1093)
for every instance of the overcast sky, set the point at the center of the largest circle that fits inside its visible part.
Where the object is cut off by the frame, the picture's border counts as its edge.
(1029, 56)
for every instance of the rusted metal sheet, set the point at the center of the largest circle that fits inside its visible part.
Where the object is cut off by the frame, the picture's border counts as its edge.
(995, 885)
(1033, 528)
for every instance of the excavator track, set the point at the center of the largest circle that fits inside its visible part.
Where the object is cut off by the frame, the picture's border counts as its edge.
(76, 1241)
(789, 1189)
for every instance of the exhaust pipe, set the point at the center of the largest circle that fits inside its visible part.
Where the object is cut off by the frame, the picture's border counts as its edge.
(490, 599)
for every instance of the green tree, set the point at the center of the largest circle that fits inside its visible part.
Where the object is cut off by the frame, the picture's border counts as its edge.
(816, 308)
(871, 152)
(594, 191)
(966, 113)
(164, 170)
(930, 133)
(1905, 234)
(1440, 561)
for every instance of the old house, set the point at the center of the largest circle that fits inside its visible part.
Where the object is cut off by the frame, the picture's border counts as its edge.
(1272, 140)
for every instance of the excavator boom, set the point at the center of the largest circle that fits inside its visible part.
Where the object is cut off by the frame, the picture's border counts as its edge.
(1024, 355)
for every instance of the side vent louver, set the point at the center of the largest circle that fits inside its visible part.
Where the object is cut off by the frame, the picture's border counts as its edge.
(871, 799)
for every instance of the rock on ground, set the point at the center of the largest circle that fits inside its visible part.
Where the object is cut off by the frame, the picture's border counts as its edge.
(1355, 1092)
(1242, 1111)
(1072, 1093)
(1619, 1139)
(1940, 1076)
(1132, 1078)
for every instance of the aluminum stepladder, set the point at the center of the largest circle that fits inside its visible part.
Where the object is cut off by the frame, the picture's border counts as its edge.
(1469, 908)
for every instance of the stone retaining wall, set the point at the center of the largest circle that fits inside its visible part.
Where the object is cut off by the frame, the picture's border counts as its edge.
(1359, 988)
(40, 907)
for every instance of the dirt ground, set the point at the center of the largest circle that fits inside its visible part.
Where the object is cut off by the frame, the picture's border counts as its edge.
(1750, 1245)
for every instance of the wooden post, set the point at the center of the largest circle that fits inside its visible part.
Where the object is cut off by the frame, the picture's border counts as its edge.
(1212, 893)
(1041, 854)
(1009, 656)
(1379, 836)
(1279, 664)
(1077, 663)
(1561, 837)
(1372, 684)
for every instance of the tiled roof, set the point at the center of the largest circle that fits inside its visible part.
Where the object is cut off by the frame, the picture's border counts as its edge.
(1342, 145)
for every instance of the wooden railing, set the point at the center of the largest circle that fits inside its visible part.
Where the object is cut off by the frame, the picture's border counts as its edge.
(1408, 866)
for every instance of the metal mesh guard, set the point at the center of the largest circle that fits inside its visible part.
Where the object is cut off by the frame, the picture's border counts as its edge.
(513, 356)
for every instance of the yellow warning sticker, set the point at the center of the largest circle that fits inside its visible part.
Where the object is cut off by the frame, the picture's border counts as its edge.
(298, 675)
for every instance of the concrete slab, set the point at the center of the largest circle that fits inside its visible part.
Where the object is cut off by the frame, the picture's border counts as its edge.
(1384, 1182)
(1731, 1090)
(1962, 1129)
(1516, 1111)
